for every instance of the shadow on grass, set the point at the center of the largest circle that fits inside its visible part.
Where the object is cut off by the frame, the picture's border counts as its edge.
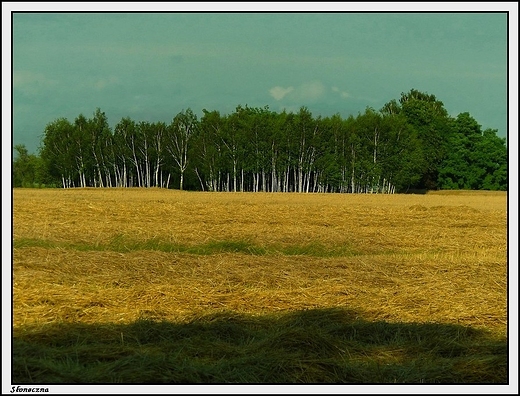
(310, 346)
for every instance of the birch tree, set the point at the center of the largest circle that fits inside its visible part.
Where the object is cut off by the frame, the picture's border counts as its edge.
(97, 130)
(208, 150)
(159, 132)
(180, 132)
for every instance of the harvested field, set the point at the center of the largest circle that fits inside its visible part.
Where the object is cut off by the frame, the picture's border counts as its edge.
(162, 286)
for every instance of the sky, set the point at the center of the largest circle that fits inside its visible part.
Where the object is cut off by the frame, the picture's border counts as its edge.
(151, 66)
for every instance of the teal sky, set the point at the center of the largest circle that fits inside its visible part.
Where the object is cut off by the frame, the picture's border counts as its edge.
(150, 66)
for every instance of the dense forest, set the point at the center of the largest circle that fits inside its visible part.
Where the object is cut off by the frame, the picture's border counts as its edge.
(411, 143)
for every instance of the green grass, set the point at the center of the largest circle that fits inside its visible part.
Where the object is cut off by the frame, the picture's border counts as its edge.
(123, 244)
(310, 346)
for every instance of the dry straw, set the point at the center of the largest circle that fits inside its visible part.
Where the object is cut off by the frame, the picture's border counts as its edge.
(114, 256)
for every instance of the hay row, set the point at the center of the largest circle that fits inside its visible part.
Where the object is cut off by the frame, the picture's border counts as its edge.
(371, 224)
(110, 287)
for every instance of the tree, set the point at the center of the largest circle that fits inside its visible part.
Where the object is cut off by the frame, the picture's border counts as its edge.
(59, 154)
(146, 138)
(430, 119)
(492, 160)
(303, 132)
(28, 169)
(179, 135)
(475, 159)
(158, 135)
(99, 134)
(207, 150)
(125, 151)
(232, 140)
(458, 169)
(81, 150)
(402, 154)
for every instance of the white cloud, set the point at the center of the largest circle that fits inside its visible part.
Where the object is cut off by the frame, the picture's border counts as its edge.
(341, 93)
(308, 91)
(280, 92)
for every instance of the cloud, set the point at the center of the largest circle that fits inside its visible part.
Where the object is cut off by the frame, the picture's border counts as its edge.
(309, 91)
(280, 92)
(341, 93)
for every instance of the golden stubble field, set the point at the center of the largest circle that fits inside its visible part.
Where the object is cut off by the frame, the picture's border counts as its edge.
(117, 255)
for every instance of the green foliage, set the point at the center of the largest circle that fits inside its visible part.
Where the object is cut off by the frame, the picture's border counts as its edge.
(428, 117)
(492, 161)
(476, 161)
(29, 170)
(409, 144)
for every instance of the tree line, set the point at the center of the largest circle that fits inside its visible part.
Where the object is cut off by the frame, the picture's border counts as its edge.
(410, 143)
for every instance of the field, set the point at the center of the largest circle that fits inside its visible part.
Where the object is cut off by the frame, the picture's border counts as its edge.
(162, 286)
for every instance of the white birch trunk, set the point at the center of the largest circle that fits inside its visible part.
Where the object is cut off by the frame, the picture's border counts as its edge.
(234, 176)
(287, 174)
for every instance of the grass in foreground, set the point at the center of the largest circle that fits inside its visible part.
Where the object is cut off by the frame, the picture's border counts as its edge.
(310, 346)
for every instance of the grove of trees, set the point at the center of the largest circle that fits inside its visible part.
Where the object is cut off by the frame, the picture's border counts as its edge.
(411, 143)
